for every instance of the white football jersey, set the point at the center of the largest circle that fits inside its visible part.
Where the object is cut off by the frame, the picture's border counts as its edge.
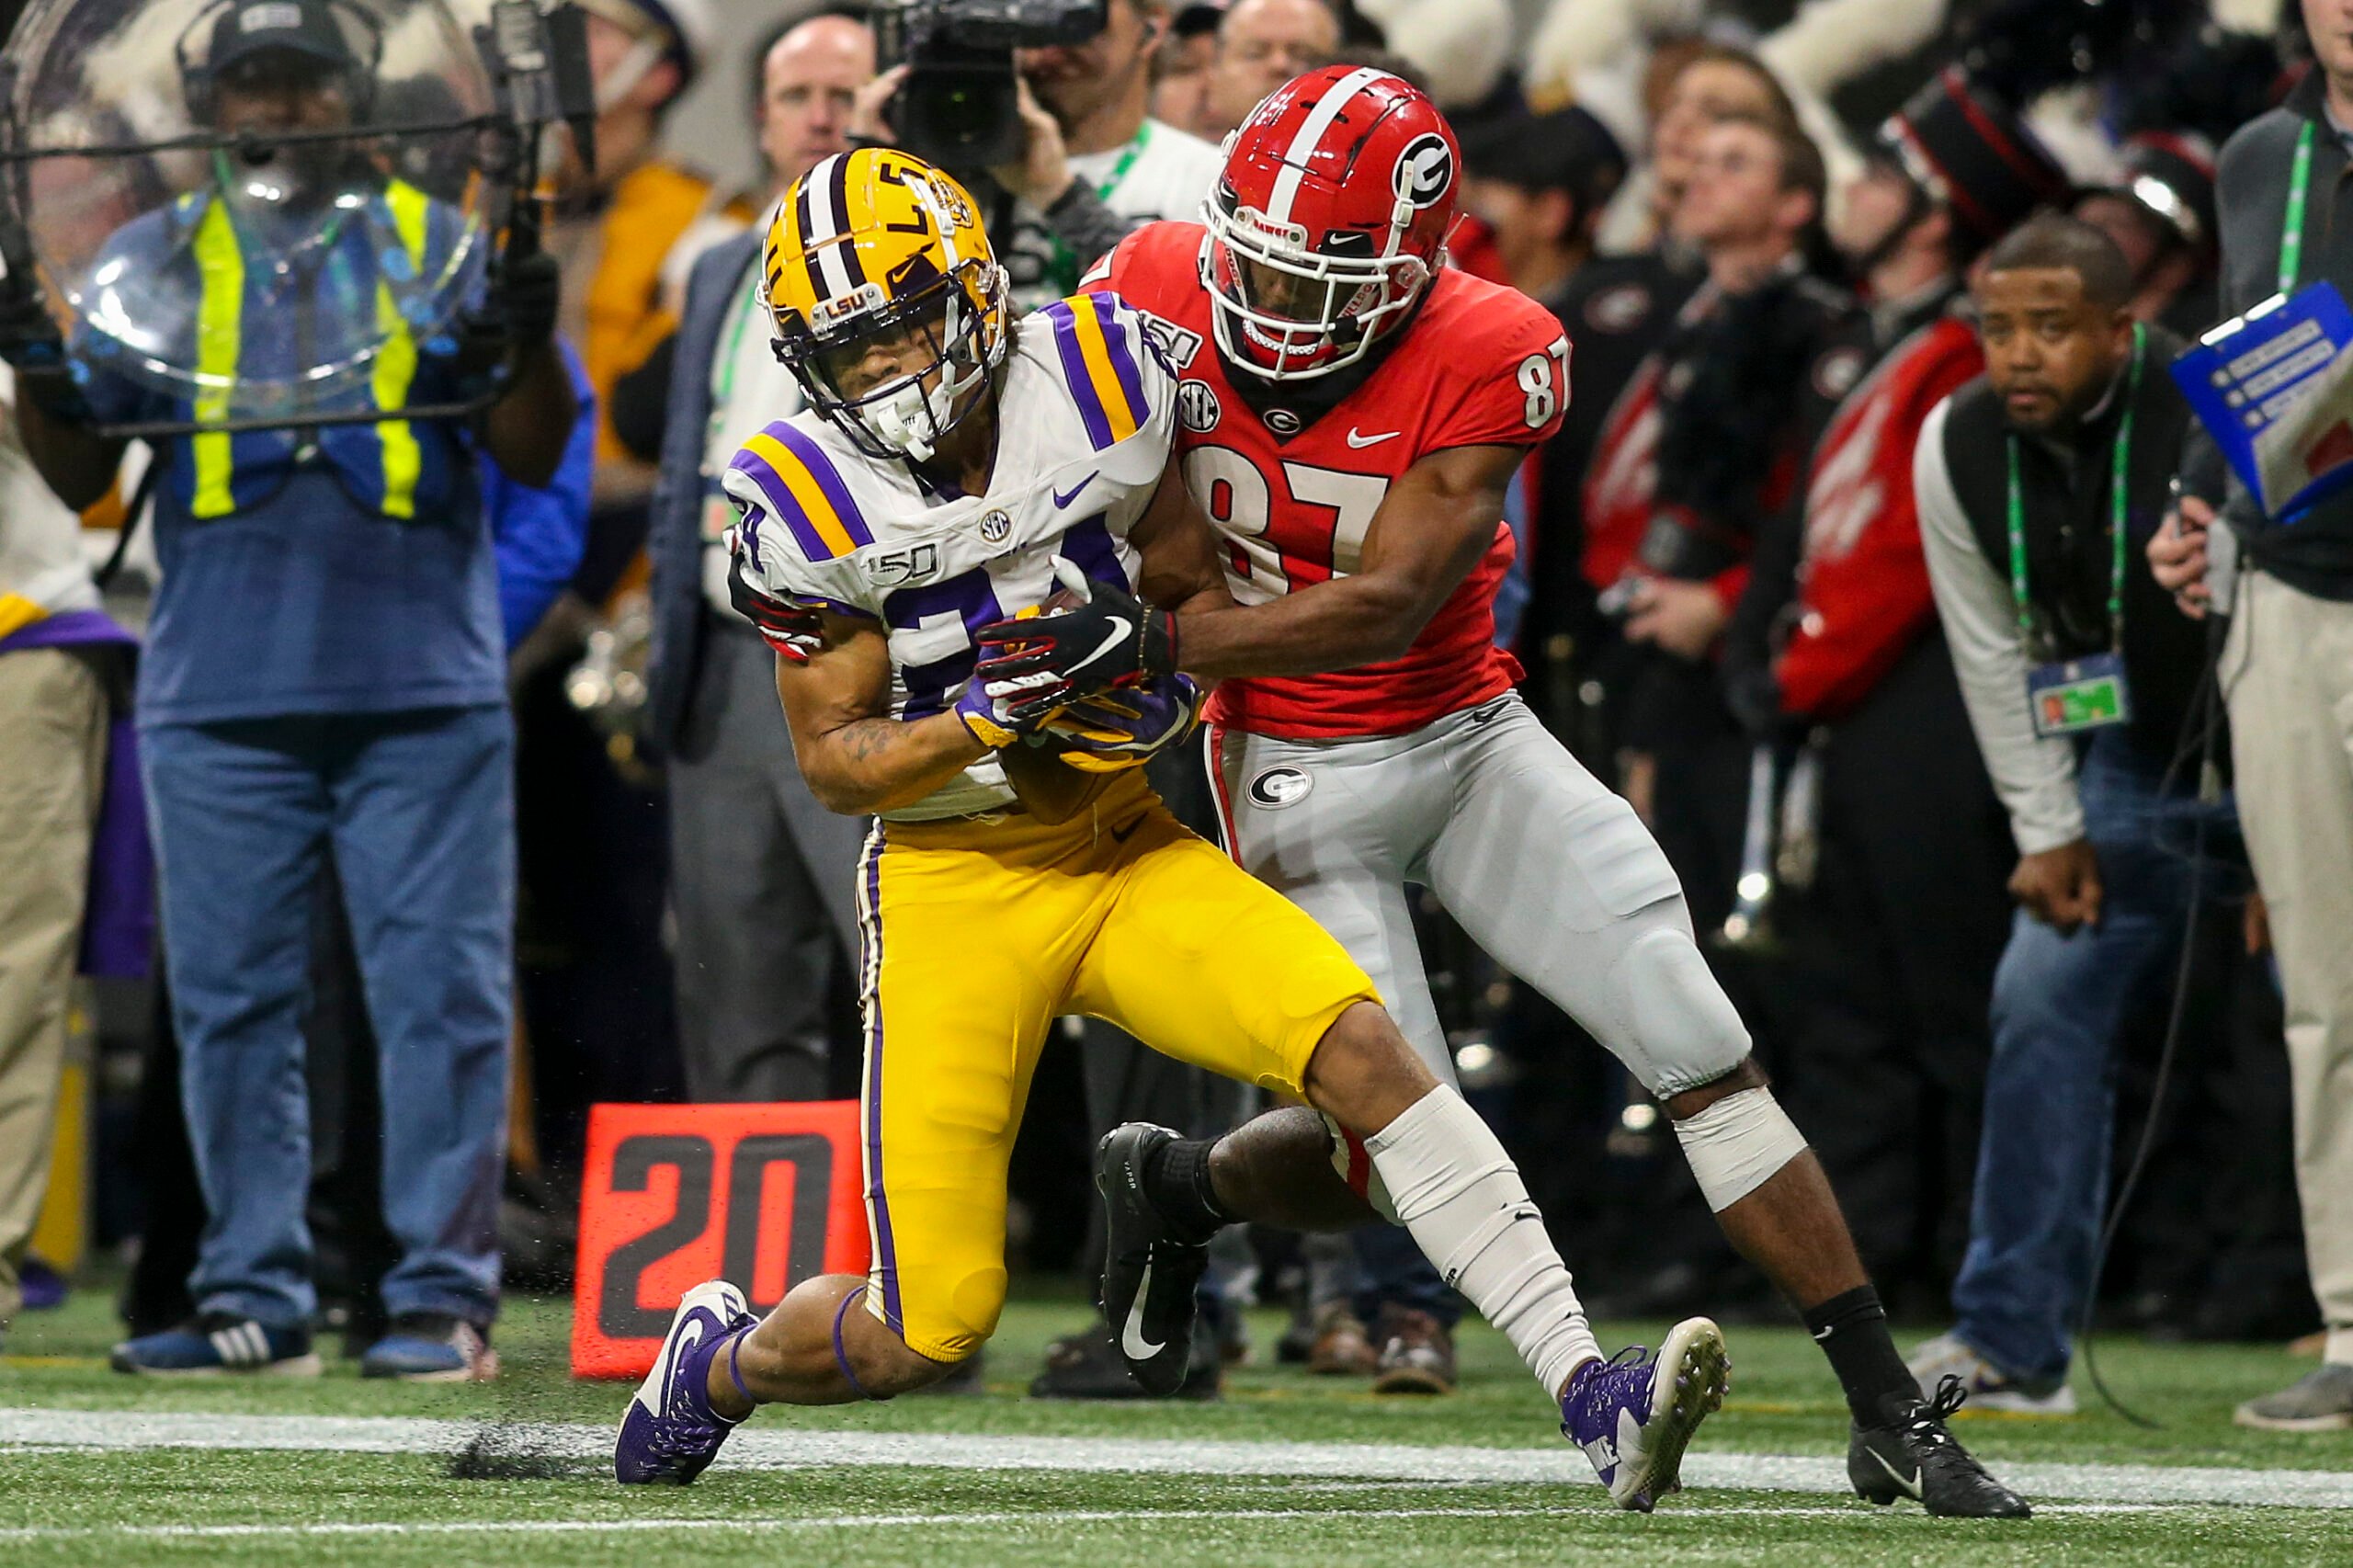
(1085, 414)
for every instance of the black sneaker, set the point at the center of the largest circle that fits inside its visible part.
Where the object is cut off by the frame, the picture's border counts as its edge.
(1148, 1274)
(1911, 1454)
(1087, 1365)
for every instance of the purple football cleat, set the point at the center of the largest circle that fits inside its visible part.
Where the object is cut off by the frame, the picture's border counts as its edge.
(670, 1433)
(1634, 1414)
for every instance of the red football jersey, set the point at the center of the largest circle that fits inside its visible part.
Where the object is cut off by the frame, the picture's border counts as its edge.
(1481, 365)
(1863, 590)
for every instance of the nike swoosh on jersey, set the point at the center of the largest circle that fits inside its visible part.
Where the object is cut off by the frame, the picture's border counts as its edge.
(1359, 440)
(1064, 497)
(1132, 1343)
(1910, 1488)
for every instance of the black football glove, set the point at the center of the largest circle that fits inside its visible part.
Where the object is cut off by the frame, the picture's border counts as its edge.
(528, 292)
(517, 316)
(1096, 636)
(32, 343)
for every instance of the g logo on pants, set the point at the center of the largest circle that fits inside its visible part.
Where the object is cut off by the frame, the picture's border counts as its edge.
(1280, 787)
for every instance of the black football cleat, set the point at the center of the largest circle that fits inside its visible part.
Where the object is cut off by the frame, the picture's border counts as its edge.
(1149, 1275)
(1911, 1454)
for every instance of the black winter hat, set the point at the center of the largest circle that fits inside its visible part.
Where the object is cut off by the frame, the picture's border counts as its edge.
(1968, 150)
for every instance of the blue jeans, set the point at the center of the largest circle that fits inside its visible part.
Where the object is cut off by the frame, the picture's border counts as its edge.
(1395, 1273)
(2042, 1162)
(417, 809)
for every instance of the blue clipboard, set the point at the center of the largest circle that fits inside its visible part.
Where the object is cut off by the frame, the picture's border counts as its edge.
(2275, 387)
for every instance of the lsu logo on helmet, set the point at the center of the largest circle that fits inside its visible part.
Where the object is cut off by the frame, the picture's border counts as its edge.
(888, 304)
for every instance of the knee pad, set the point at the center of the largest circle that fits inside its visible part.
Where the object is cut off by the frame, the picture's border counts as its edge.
(1355, 1166)
(1738, 1144)
(1684, 1022)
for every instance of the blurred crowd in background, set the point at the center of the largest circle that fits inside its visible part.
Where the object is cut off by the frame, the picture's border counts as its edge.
(1756, 221)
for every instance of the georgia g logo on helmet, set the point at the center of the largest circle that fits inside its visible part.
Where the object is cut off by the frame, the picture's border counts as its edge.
(1426, 170)
(1308, 262)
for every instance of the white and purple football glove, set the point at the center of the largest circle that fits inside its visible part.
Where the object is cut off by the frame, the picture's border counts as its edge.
(1129, 726)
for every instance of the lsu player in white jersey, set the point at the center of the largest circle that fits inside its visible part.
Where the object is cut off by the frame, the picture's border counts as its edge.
(955, 469)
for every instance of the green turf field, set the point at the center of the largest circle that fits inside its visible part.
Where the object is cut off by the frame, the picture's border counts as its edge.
(99, 1469)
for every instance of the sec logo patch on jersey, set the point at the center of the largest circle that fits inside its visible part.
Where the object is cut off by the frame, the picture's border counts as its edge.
(1280, 787)
(1198, 407)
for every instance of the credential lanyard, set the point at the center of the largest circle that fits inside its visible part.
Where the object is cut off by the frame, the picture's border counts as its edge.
(2291, 227)
(721, 393)
(2120, 470)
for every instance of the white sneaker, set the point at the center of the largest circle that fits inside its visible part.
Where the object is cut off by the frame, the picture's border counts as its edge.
(1989, 1387)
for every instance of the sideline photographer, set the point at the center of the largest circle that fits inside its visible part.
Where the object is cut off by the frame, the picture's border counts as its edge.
(325, 669)
(1091, 162)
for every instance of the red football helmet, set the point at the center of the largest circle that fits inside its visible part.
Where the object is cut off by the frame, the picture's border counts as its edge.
(1328, 221)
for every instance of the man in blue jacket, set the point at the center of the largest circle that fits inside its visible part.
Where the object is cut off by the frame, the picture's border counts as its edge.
(324, 672)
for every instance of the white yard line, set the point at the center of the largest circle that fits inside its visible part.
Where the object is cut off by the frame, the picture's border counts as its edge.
(1042, 1517)
(776, 1447)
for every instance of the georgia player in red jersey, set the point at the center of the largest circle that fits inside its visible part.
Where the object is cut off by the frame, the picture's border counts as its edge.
(1352, 411)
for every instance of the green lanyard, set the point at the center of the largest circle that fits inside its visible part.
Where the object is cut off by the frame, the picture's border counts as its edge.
(726, 389)
(1128, 156)
(2120, 469)
(2291, 228)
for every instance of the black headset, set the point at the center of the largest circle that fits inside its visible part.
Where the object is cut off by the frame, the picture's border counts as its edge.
(198, 80)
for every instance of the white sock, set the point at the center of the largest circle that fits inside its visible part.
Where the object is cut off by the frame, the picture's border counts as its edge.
(1462, 1198)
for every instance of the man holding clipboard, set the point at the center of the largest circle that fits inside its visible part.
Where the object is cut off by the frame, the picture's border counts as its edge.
(2287, 672)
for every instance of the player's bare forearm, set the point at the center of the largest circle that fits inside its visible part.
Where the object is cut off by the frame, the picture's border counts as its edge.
(1180, 549)
(1436, 523)
(855, 758)
(879, 765)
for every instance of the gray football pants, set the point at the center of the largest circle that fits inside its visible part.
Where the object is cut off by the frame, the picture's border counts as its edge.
(1547, 871)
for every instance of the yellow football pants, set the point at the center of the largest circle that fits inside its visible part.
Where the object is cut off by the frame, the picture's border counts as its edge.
(977, 935)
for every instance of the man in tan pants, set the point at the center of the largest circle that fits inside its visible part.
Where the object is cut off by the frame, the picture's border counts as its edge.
(54, 712)
(2286, 220)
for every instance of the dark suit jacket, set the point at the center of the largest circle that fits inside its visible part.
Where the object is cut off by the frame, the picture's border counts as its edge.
(674, 543)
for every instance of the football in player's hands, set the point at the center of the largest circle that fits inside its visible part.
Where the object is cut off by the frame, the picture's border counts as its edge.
(1088, 637)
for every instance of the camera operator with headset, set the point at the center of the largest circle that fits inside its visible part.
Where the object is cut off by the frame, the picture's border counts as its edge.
(325, 668)
(1093, 163)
